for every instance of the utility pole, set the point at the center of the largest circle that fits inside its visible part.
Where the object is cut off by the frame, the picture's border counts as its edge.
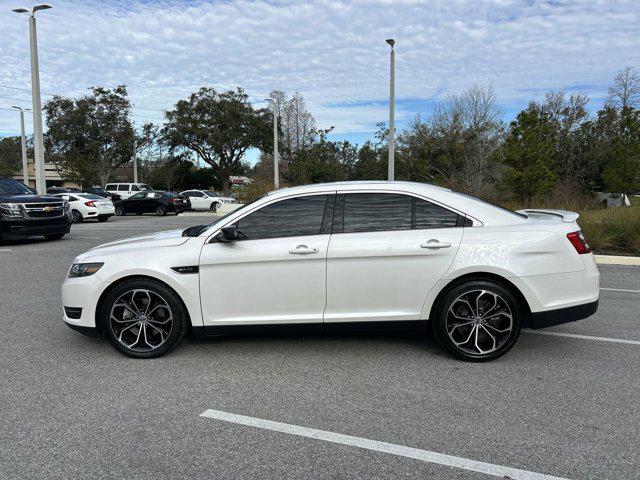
(38, 146)
(25, 167)
(276, 157)
(135, 160)
(391, 165)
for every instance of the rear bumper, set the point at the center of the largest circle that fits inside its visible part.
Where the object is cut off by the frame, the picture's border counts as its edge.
(550, 318)
(19, 229)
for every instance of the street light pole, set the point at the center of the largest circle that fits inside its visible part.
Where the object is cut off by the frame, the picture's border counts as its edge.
(135, 160)
(38, 147)
(392, 75)
(276, 157)
(25, 168)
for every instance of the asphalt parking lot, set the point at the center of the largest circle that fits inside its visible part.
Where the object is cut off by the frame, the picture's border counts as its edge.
(556, 405)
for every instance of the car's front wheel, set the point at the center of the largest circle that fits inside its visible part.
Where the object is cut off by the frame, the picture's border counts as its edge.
(143, 318)
(161, 210)
(478, 320)
(120, 210)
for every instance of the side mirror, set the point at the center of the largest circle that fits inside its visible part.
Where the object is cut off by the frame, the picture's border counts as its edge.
(228, 234)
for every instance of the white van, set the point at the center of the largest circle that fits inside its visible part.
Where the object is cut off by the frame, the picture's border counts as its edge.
(125, 190)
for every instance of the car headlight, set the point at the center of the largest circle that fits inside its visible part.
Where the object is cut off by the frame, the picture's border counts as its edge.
(11, 209)
(66, 205)
(84, 269)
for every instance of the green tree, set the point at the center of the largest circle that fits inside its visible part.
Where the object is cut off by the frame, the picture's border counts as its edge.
(90, 137)
(10, 156)
(528, 153)
(219, 128)
(322, 161)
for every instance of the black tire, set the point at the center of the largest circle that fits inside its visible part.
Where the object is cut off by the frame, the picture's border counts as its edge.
(55, 236)
(120, 211)
(103, 218)
(179, 325)
(484, 319)
(161, 210)
(214, 207)
(76, 216)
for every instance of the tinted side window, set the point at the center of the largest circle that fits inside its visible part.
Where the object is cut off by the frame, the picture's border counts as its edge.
(429, 215)
(123, 188)
(110, 187)
(135, 188)
(288, 218)
(371, 212)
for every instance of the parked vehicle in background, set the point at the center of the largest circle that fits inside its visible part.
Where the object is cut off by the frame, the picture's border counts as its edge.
(25, 214)
(342, 255)
(153, 201)
(206, 199)
(54, 190)
(125, 190)
(114, 197)
(86, 205)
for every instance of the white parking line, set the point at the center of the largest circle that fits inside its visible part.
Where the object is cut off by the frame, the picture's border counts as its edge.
(585, 337)
(4, 250)
(620, 290)
(393, 449)
(75, 236)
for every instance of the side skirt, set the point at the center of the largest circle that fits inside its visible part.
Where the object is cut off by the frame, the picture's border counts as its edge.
(385, 326)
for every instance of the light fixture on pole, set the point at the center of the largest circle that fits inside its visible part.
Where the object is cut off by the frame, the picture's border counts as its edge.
(25, 167)
(38, 147)
(276, 158)
(391, 165)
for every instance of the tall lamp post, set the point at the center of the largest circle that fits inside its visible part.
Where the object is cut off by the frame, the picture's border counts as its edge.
(276, 157)
(38, 147)
(25, 170)
(391, 174)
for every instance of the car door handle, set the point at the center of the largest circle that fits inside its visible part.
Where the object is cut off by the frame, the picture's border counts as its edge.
(434, 244)
(303, 250)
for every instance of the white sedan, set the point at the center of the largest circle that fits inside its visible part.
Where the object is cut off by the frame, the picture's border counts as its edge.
(354, 254)
(87, 205)
(206, 199)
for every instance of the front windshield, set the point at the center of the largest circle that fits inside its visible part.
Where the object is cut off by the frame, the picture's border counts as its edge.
(197, 230)
(9, 186)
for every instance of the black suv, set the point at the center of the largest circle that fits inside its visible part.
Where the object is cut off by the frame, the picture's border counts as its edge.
(24, 214)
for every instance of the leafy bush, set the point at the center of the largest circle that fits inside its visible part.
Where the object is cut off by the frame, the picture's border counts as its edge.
(612, 230)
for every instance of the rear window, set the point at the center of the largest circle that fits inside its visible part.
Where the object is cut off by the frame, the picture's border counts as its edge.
(91, 197)
(110, 187)
(9, 186)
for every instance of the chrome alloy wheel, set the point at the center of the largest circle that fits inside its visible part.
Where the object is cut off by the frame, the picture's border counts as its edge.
(141, 320)
(479, 322)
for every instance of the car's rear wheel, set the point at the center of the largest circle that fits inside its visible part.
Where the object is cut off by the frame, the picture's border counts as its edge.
(143, 318)
(478, 320)
(120, 210)
(161, 210)
(214, 207)
(76, 216)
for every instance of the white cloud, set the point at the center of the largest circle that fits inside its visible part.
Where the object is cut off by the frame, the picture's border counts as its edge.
(333, 52)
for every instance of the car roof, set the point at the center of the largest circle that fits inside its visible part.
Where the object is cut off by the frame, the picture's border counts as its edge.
(485, 213)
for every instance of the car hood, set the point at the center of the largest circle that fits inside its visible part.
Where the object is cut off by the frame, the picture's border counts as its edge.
(169, 238)
(29, 199)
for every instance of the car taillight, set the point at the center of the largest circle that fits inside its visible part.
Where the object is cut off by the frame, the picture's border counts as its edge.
(579, 242)
(90, 203)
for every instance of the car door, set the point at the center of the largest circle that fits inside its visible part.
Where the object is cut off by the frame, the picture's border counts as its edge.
(386, 253)
(276, 272)
(133, 203)
(149, 201)
(198, 200)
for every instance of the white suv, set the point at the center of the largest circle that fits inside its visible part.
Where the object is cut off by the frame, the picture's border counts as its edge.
(353, 254)
(125, 190)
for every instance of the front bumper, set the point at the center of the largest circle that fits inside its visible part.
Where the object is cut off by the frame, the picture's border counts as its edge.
(559, 316)
(80, 297)
(20, 228)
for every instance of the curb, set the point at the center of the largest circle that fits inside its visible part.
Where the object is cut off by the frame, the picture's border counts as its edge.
(617, 260)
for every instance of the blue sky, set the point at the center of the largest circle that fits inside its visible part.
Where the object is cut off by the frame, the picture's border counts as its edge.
(332, 52)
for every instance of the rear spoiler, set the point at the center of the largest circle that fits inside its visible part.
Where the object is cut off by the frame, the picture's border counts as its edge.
(566, 215)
